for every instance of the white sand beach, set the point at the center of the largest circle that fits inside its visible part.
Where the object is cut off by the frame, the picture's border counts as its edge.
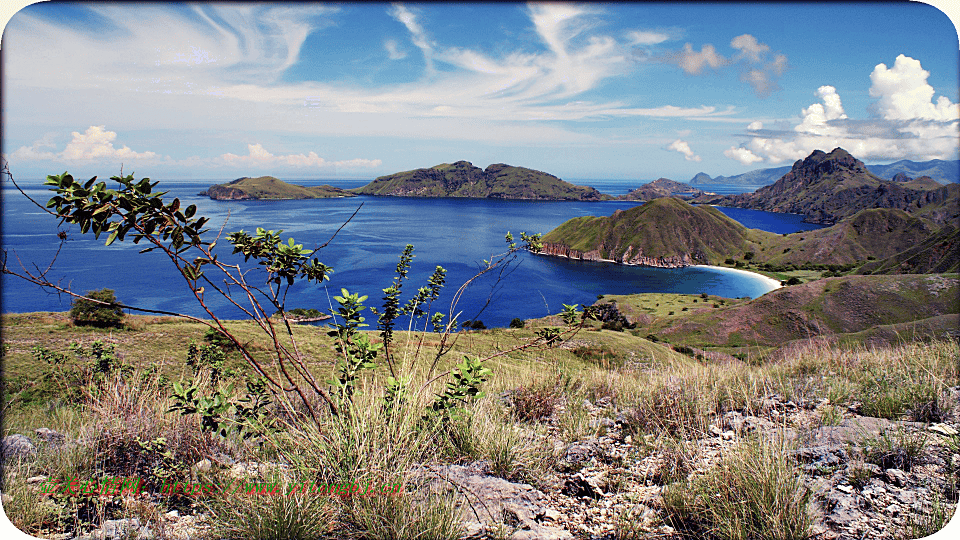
(774, 283)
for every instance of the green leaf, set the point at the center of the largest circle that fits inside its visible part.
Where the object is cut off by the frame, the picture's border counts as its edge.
(113, 236)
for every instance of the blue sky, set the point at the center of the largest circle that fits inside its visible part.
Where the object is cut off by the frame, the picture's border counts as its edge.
(583, 91)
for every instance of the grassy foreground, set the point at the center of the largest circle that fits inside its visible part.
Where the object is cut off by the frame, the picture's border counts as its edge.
(533, 406)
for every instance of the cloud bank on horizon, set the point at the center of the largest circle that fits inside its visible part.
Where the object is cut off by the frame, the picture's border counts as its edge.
(579, 90)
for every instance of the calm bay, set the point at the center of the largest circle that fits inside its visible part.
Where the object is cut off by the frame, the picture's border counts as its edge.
(457, 234)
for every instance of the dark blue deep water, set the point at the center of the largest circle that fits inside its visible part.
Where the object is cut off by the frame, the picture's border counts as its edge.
(457, 234)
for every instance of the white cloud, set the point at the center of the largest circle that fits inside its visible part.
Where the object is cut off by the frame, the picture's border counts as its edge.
(749, 47)
(393, 50)
(258, 156)
(904, 94)
(693, 62)
(755, 126)
(417, 34)
(908, 123)
(751, 59)
(96, 143)
(683, 147)
(640, 37)
(742, 155)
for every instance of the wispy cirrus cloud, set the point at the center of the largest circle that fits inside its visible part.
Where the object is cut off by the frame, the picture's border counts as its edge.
(219, 61)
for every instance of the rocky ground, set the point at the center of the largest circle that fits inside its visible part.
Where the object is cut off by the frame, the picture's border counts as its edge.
(609, 485)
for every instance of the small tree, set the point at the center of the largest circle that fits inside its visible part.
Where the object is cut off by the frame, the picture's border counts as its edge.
(98, 308)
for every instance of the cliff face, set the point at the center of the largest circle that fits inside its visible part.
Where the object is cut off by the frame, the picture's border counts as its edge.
(628, 258)
(226, 193)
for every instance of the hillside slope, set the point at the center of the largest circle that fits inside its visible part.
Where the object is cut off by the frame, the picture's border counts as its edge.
(940, 252)
(462, 179)
(876, 233)
(825, 307)
(268, 187)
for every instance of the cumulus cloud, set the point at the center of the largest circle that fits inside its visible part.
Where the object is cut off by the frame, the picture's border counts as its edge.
(907, 123)
(904, 94)
(258, 156)
(683, 147)
(96, 143)
(753, 58)
(742, 155)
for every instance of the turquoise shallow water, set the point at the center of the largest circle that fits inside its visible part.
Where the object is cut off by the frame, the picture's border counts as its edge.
(457, 234)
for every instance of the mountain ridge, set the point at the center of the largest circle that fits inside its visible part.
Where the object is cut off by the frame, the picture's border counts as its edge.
(826, 188)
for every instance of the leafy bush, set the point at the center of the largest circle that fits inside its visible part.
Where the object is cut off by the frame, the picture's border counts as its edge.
(98, 309)
(517, 323)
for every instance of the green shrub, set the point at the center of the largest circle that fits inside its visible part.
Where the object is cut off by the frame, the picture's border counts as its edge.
(88, 312)
(517, 323)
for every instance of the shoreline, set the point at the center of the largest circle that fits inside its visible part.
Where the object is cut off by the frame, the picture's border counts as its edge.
(772, 281)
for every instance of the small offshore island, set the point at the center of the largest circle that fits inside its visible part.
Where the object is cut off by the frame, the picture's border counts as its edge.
(270, 188)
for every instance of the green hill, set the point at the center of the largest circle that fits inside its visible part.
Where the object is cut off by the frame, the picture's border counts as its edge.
(462, 179)
(664, 232)
(268, 187)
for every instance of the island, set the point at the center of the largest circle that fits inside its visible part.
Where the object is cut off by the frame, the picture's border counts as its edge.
(270, 188)
(662, 187)
(497, 181)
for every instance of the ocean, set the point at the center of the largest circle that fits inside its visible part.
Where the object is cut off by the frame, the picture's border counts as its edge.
(458, 234)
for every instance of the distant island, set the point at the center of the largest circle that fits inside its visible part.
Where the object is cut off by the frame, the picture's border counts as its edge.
(662, 187)
(463, 179)
(270, 188)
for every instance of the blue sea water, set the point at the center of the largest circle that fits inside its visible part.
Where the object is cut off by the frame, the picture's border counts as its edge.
(458, 234)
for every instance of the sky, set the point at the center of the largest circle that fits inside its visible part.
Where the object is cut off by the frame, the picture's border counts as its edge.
(632, 91)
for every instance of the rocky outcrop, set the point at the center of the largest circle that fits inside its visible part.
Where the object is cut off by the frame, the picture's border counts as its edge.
(226, 193)
(628, 258)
